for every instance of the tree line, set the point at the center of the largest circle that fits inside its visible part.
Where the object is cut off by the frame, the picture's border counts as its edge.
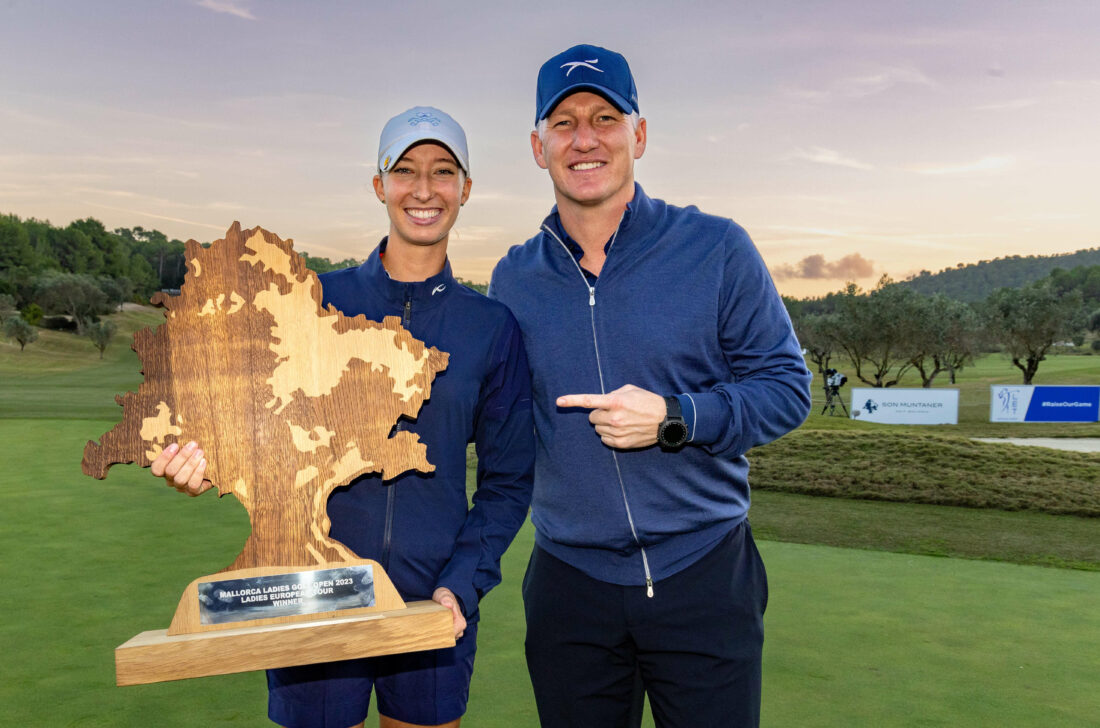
(68, 277)
(974, 282)
(893, 329)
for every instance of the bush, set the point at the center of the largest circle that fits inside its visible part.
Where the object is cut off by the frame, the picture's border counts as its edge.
(1096, 345)
(33, 314)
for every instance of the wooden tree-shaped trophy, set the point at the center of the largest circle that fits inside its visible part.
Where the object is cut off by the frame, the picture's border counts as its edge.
(290, 400)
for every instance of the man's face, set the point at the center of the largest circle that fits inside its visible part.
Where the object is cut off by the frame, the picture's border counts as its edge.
(423, 192)
(589, 148)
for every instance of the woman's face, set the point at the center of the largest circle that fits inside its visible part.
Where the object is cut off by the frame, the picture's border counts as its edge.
(422, 193)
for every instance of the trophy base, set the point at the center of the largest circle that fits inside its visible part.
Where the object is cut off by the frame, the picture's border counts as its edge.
(156, 656)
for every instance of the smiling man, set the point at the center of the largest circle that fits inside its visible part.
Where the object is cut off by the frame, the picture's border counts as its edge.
(660, 354)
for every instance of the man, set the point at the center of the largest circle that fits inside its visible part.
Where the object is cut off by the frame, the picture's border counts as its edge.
(660, 353)
(418, 525)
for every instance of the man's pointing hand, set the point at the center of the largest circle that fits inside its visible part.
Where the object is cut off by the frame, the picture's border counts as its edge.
(626, 418)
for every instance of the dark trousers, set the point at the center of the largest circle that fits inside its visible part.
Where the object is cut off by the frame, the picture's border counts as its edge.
(695, 645)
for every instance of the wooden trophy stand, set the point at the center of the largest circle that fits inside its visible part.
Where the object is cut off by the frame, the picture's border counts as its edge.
(289, 400)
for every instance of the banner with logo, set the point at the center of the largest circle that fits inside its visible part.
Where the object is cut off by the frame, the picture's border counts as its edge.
(906, 406)
(1044, 403)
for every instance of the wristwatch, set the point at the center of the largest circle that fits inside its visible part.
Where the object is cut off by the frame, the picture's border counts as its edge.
(673, 431)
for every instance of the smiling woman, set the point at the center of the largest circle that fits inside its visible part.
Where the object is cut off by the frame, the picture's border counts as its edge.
(419, 526)
(422, 192)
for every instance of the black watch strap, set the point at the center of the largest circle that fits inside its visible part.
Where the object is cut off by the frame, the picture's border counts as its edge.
(672, 432)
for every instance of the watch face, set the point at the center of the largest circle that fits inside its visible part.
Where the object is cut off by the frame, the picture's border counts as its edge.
(673, 433)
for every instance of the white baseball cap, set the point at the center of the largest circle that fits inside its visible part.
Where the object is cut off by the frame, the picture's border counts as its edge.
(419, 124)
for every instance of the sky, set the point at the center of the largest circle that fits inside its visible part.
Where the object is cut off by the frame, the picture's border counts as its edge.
(850, 139)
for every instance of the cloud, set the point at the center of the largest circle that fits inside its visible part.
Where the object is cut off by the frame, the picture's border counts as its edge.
(154, 216)
(821, 155)
(1008, 105)
(227, 6)
(985, 164)
(849, 267)
(882, 80)
(868, 84)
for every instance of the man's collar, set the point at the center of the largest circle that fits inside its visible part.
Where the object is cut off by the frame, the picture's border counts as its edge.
(637, 210)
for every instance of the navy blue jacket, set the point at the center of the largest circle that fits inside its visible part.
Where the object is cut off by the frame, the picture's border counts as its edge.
(419, 526)
(683, 305)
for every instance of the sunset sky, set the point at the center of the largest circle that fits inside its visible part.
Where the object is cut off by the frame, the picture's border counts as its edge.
(850, 139)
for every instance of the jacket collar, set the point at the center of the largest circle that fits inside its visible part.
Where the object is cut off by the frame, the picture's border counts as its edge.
(422, 294)
(639, 218)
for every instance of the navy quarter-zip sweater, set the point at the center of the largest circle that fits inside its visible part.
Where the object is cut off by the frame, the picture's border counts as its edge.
(683, 306)
(418, 525)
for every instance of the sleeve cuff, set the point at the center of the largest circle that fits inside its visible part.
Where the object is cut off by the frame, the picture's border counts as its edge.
(465, 597)
(687, 409)
(707, 415)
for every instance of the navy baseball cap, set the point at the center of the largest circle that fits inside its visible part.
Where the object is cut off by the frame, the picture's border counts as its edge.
(419, 124)
(585, 68)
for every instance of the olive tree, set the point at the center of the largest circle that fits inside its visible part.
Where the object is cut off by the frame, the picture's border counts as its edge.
(18, 329)
(814, 333)
(1027, 321)
(101, 333)
(77, 295)
(876, 331)
(946, 336)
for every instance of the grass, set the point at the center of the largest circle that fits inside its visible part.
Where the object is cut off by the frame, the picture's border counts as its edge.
(854, 637)
(876, 639)
(61, 374)
(88, 565)
(920, 467)
(1020, 537)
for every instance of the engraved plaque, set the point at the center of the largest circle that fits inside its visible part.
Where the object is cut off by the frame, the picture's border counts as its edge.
(284, 595)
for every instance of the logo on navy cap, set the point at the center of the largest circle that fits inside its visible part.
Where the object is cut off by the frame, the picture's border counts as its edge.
(587, 64)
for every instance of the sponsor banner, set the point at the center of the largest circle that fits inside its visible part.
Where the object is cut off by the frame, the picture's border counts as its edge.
(1042, 403)
(906, 406)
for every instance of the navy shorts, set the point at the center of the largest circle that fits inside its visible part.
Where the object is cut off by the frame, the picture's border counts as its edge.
(424, 688)
(694, 646)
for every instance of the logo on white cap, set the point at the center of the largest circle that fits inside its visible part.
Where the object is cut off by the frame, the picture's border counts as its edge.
(423, 121)
(573, 65)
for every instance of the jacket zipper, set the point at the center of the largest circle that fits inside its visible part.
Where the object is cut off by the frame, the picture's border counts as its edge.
(391, 492)
(603, 390)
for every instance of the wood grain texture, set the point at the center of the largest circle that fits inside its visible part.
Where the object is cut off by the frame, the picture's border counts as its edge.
(288, 398)
(155, 656)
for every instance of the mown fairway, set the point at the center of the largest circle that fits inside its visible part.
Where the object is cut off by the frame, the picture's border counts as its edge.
(855, 637)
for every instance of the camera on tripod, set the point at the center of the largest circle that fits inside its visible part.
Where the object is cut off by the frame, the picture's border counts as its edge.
(834, 380)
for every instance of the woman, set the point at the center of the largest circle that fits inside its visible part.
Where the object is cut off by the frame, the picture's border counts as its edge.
(418, 526)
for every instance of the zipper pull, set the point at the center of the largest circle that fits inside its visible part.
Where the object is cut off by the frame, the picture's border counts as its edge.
(649, 587)
(591, 296)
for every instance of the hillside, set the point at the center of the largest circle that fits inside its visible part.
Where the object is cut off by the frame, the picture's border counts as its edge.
(974, 282)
